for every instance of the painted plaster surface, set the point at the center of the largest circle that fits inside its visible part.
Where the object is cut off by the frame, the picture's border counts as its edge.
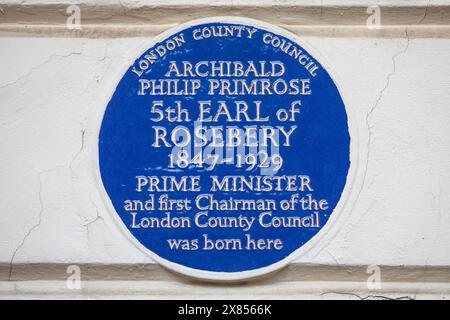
(52, 91)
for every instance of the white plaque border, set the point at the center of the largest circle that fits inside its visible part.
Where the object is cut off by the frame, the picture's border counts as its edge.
(341, 212)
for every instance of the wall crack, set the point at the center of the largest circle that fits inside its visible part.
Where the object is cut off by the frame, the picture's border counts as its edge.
(368, 297)
(34, 227)
(374, 107)
(32, 69)
(83, 133)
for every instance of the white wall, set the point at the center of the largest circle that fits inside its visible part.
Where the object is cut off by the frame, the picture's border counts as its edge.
(52, 90)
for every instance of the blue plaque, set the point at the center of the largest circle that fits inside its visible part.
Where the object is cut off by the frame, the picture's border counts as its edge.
(224, 149)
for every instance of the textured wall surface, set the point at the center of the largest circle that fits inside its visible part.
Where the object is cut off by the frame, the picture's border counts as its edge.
(53, 89)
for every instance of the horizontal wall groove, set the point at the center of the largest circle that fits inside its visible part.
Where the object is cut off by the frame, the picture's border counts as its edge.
(115, 20)
(154, 272)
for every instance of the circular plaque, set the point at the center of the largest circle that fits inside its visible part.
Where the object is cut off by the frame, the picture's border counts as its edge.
(224, 149)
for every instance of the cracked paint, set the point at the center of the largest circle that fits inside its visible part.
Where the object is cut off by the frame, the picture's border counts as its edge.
(367, 297)
(425, 13)
(83, 132)
(35, 68)
(34, 227)
(33, 139)
(369, 114)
